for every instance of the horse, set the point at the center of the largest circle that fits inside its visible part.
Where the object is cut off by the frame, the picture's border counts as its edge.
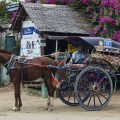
(29, 71)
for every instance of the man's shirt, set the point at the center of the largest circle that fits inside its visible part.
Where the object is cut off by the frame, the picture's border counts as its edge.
(77, 56)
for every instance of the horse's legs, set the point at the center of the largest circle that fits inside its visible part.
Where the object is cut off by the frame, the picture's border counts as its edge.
(51, 96)
(48, 103)
(51, 107)
(18, 102)
(19, 97)
(15, 108)
(50, 89)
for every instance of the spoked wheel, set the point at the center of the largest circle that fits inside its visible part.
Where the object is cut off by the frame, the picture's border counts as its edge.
(66, 93)
(93, 88)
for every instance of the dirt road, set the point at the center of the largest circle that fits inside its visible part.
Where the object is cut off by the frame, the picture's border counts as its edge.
(34, 109)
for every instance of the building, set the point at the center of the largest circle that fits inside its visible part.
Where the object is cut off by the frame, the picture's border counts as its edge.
(54, 22)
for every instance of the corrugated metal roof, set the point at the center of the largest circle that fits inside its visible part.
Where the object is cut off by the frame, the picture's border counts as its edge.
(56, 18)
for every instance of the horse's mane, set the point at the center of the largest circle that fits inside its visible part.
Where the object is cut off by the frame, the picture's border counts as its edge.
(5, 51)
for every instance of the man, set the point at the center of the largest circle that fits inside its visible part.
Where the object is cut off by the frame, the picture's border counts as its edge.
(78, 56)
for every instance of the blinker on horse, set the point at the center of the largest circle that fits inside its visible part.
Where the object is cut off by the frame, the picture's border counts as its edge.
(34, 69)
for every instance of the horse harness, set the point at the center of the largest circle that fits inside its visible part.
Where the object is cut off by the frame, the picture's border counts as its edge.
(11, 64)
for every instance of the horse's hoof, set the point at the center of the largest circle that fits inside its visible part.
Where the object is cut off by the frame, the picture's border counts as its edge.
(16, 108)
(50, 108)
(47, 106)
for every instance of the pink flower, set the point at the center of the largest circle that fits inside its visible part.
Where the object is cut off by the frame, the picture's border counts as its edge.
(116, 36)
(51, 1)
(101, 12)
(85, 2)
(112, 3)
(95, 30)
(105, 3)
(117, 6)
(89, 8)
(63, 2)
(104, 20)
(104, 31)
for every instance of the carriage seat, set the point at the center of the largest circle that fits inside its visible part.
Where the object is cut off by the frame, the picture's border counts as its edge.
(75, 66)
(79, 65)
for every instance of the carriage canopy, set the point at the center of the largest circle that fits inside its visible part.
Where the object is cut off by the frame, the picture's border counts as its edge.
(92, 42)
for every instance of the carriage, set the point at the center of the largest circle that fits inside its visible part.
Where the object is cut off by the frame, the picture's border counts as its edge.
(91, 84)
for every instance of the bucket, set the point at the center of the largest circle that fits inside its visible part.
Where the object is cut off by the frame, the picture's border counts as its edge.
(44, 91)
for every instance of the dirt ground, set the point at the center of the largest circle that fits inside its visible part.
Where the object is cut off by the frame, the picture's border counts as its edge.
(34, 108)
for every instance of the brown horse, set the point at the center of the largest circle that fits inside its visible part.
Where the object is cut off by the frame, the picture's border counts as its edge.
(32, 70)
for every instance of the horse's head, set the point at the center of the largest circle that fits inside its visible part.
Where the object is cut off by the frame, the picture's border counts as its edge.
(4, 56)
(61, 57)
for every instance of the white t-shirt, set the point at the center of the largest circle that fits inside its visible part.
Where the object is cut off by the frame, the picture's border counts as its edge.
(78, 55)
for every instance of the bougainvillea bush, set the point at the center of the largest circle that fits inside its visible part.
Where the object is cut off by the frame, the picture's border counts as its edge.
(105, 15)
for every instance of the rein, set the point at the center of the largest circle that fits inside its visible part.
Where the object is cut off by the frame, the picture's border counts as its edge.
(10, 65)
(51, 54)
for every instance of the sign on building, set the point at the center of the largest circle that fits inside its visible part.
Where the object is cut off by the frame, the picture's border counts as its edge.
(30, 42)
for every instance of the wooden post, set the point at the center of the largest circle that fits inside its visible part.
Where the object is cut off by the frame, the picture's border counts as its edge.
(43, 45)
(56, 49)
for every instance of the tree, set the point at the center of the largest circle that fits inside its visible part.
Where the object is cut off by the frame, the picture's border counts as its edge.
(4, 17)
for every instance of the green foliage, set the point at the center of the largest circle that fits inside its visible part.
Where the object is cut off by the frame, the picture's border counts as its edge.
(58, 2)
(77, 4)
(16, 49)
(2, 8)
(4, 17)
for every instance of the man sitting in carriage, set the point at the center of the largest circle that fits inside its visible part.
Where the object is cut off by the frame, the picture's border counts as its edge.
(79, 56)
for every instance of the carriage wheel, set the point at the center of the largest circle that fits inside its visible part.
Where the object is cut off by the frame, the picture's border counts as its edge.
(93, 88)
(66, 94)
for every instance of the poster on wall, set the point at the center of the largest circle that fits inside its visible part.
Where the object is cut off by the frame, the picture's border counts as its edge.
(30, 48)
(30, 42)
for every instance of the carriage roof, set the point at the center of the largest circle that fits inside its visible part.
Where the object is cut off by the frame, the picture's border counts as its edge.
(92, 42)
